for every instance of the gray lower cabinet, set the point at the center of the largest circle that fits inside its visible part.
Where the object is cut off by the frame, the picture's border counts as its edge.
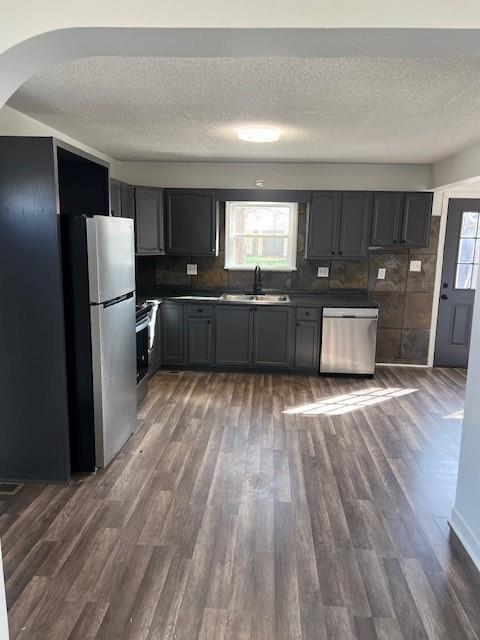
(200, 342)
(236, 335)
(172, 332)
(149, 222)
(233, 335)
(307, 344)
(272, 337)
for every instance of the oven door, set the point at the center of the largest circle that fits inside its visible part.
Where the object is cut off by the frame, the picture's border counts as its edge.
(142, 348)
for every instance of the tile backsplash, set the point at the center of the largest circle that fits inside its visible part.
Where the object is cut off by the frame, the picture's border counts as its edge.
(405, 297)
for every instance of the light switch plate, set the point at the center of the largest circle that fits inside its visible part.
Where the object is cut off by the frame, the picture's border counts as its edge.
(191, 270)
(415, 265)
(322, 272)
(382, 272)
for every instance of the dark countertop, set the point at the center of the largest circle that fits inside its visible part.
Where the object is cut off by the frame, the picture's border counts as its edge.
(347, 298)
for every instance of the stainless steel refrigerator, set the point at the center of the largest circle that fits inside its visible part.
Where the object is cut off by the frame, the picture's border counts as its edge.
(99, 290)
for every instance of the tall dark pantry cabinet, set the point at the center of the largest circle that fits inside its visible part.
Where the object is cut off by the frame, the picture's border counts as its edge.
(40, 178)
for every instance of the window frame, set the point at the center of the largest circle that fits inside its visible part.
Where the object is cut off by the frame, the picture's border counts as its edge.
(473, 265)
(291, 236)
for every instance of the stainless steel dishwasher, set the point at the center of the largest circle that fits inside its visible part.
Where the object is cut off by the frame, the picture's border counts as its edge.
(349, 338)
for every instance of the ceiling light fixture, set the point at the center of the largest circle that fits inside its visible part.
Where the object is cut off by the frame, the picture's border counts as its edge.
(259, 134)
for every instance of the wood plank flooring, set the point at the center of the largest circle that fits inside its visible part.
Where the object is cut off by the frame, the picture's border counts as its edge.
(256, 507)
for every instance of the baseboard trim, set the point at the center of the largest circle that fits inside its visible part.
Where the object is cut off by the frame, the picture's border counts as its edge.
(399, 364)
(467, 537)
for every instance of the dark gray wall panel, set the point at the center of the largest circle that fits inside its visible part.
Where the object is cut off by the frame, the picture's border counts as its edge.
(33, 393)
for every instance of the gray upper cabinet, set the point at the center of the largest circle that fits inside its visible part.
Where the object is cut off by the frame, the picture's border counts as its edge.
(191, 222)
(355, 224)
(401, 219)
(122, 201)
(272, 336)
(386, 218)
(149, 221)
(115, 198)
(127, 194)
(322, 224)
(417, 215)
(338, 224)
(233, 335)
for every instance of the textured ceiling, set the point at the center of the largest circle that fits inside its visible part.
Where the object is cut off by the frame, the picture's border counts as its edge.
(328, 109)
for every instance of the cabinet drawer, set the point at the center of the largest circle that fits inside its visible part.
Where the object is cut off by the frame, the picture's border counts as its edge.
(307, 313)
(200, 310)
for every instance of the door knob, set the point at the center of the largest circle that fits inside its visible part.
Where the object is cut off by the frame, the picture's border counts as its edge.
(445, 285)
(444, 297)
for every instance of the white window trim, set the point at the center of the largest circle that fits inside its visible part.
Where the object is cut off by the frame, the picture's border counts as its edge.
(292, 236)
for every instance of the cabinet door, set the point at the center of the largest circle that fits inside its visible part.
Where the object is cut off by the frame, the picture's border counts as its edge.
(115, 198)
(417, 215)
(128, 201)
(149, 221)
(233, 335)
(191, 223)
(322, 224)
(199, 341)
(355, 225)
(387, 217)
(272, 336)
(307, 345)
(172, 333)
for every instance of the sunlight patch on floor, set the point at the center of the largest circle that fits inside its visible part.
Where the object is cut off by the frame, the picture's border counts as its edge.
(340, 404)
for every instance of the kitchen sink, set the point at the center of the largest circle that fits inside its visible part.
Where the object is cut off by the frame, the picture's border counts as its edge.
(203, 298)
(271, 298)
(237, 297)
(257, 299)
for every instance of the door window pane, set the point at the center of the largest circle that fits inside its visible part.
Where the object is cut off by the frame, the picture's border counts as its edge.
(473, 284)
(466, 249)
(469, 224)
(468, 255)
(464, 276)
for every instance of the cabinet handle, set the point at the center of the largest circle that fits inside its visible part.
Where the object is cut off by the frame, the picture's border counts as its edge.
(199, 310)
(340, 253)
(395, 242)
(298, 324)
(208, 321)
(307, 313)
(402, 241)
(333, 253)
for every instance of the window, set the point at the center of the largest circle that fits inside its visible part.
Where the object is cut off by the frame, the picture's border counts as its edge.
(468, 254)
(263, 233)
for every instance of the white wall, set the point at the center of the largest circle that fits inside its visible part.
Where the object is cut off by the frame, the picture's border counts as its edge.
(23, 19)
(3, 603)
(242, 175)
(465, 519)
(463, 166)
(14, 123)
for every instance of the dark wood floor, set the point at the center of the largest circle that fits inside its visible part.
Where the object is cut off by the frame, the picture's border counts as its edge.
(256, 507)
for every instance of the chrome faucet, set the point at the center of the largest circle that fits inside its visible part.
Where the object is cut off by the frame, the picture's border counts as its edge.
(257, 280)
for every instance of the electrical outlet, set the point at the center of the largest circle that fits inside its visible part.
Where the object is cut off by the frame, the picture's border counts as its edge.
(415, 265)
(322, 272)
(192, 270)
(381, 274)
